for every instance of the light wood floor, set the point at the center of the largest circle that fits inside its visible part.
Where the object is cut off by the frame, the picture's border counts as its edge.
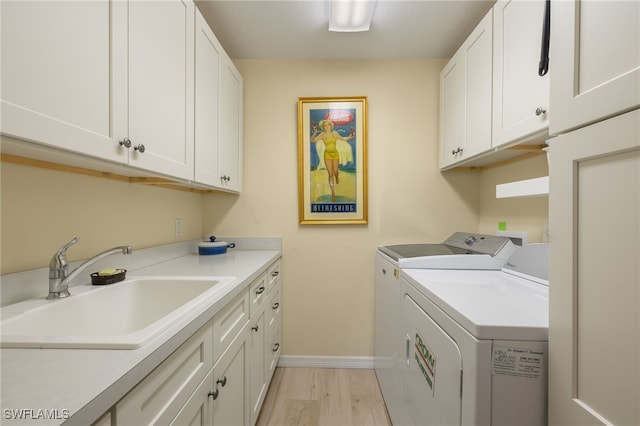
(323, 397)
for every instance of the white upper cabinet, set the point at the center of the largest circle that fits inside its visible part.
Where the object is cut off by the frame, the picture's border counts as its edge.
(59, 82)
(141, 83)
(231, 107)
(595, 61)
(160, 96)
(207, 94)
(452, 101)
(465, 98)
(218, 112)
(520, 95)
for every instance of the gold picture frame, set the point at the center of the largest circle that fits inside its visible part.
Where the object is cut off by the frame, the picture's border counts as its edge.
(332, 160)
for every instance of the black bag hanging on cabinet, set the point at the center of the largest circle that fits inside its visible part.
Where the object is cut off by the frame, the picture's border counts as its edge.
(543, 67)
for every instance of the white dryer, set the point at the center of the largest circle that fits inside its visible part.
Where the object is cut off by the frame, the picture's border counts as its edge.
(474, 344)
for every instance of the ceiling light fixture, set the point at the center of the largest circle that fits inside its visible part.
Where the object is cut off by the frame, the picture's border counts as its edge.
(351, 15)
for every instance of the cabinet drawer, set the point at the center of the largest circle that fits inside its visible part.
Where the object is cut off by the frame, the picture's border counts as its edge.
(158, 398)
(272, 352)
(273, 309)
(228, 322)
(258, 293)
(274, 275)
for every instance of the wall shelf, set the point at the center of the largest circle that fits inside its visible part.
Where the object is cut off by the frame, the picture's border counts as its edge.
(537, 187)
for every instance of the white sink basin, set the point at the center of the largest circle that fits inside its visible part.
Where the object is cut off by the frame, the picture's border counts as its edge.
(125, 315)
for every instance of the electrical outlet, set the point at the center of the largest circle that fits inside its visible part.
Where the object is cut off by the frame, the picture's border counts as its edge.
(545, 233)
(178, 227)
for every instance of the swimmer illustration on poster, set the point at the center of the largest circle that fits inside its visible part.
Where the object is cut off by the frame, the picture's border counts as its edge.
(332, 157)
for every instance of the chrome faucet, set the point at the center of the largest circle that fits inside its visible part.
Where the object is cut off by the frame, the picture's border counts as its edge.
(58, 268)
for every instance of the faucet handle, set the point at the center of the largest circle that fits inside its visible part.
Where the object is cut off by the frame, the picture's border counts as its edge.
(58, 265)
(63, 250)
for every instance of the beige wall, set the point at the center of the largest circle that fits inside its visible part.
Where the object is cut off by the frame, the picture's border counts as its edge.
(328, 271)
(44, 209)
(328, 294)
(529, 215)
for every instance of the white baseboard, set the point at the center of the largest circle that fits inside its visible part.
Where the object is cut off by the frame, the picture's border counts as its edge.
(305, 361)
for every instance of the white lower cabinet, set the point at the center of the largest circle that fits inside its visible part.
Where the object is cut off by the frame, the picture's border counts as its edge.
(231, 380)
(258, 365)
(272, 353)
(198, 410)
(222, 397)
(221, 374)
(594, 195)
(272, 348)
(162, 394)
(265, 335)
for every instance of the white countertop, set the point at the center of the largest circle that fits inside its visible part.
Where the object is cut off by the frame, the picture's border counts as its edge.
(78, 385)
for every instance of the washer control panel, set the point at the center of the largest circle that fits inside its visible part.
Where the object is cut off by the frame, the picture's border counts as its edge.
(477, 243)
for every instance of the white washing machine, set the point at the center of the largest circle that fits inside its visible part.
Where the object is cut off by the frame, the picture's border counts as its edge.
(461, 251)
(474, 344)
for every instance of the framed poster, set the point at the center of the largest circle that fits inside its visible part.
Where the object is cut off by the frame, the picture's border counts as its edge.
(332, 160)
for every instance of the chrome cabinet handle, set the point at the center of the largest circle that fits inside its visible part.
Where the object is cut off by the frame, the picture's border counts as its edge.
(540, 111)
(126, 142)
(214, 394)
(140, 148)
(408, 342)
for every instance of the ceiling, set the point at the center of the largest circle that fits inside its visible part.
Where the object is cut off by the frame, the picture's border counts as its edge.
(252, 29)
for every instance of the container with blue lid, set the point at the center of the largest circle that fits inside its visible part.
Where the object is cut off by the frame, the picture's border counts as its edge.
(214, 247)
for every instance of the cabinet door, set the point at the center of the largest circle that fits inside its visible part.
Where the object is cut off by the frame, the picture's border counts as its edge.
(452, 110)
(477, 52)
(162, 394)
(465, 98)
(207, 97)
(161, 71)
(595, 61)
(231, 405)
(520, 95)
(231, 106)
(60, 82)
(594, 297)
(198, 409)
(258, 364)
